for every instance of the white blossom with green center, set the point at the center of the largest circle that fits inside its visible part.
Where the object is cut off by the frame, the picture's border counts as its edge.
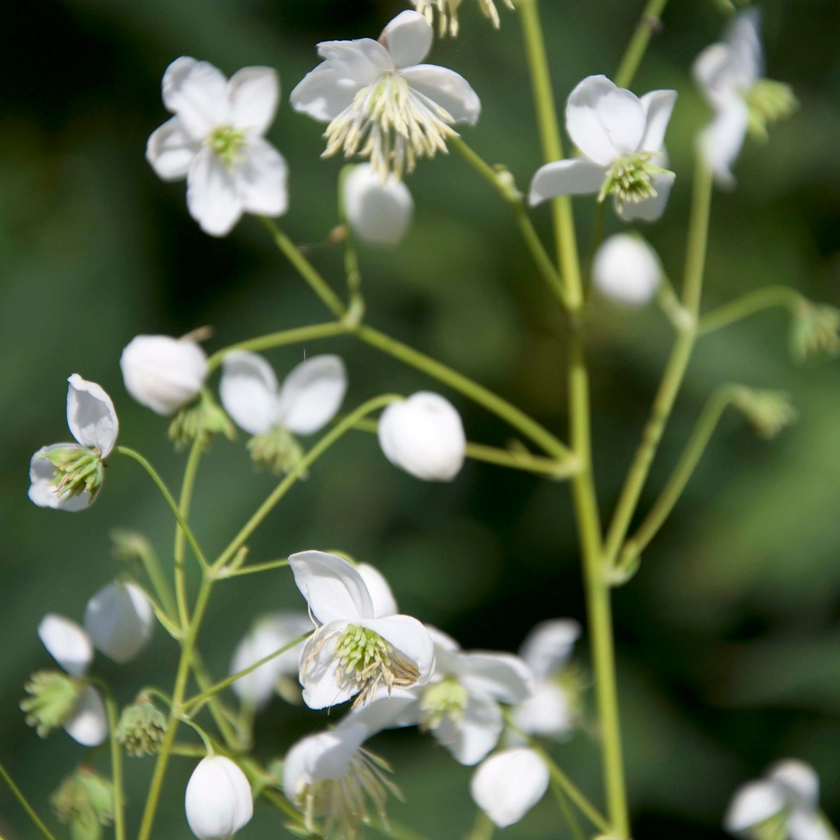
(360, 648)
(381, 103)
(447, 13)
(622, 139)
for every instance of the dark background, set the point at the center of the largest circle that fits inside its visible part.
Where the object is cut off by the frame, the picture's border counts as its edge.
(728, 638)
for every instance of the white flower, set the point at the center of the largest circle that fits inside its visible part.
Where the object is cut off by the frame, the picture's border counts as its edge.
(68, 476)
(269, 634)
(508, 784)
(551, 711)
(460, 705)
(216, 141)
(377, 213)
(621, 137)
(728, 74)
(355, 650)
(309, 398)
(163, 373)
(627, 270)
(424, 436)
(218, 800)
(119, 620)
(448, 13)
(381, 102)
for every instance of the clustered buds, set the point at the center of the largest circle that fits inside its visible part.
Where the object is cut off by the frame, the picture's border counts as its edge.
(141, 728)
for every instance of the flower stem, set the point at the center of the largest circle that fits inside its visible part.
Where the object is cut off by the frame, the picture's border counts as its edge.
(151, 564)
(251, 570)
(633, 55)
(483, 828)
(698, 235)
(217, 710)
(116, 766)
(25, 805)
(566, 811)
(184, 503)
(351, 258)
(749, 304)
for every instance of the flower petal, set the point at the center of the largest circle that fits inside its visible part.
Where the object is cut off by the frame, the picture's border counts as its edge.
(575, 176)
(751, 804)
(378, 213)
(67, 643)
(547, 713)
(261, 179)
(253, 94)
(658, 105)
(743, 36)
(471, 738)
(549, 645)
(799, 781)
(408, 38)
(445, 88)
(398, 709)
(212, 198)
(410, 637)
(91, 416)
(383, 599)
(120, 621)
(333, 588)
(502, 676)
(170, 150)
(710, 73)
(248, 391)
(88, 724)
(652, 208)
(721, 141)
(197, 92)
(312, 393)
(509, 784)
(41, 488)
(808, 825)
(319, 671)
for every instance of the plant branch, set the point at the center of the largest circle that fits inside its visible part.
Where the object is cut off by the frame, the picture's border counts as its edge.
(749, 304)
(184, 503)
(224, 574)
(116, 765)
(39, 824)
(648, 24)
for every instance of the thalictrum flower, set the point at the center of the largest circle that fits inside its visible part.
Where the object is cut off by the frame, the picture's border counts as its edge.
(216, 140)
(377, 213)
(218, 801)
(508, 784)
(621, 137)
(309, 398)
(356, 650)
(447, 11)
(68, 476)
(120, 621)
(424, 436)
(381, 102)
(627, 270)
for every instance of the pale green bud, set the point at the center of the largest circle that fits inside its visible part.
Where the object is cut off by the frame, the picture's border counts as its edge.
(142, 728)
(54, 696)
(85, 801)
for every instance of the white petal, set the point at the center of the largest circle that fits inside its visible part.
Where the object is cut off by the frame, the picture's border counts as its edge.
(330, 88)
(445, 88)
(721, 141)
(809, 825)
(442, 640)
(312, 393)
(319, 671)
(751, 804)
(212, 197)
(91, 416)
(385, 711)
(799, 781)
(218, 801)
(197, 92)
(546, 714)
(509, 784)
(408, 38)
(652, 208)
(744, 39)
(424, 436)
(476, 734)
(325, 756)
(89, 722)
(163, 373)
(261, 179)
(120, 621)
(410, 637)
(549, 645)
(378, 213)
(627, 270)
(658, 105)
(253, 94)
(710, 73)
(41, 489)
(383, 599)
(502, 676)
(575, 176)
(248, 391)
(67, 643)
(170, 150)
(334, 590)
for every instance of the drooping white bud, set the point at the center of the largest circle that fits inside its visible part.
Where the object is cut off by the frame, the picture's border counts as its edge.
(627, 270)
(378, 213)
(508, 784)
(163, 373)
(218, 801)
(67, 643)
(119, 620)
(424, 436)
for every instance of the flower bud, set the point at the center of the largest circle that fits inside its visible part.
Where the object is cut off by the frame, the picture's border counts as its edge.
(218, 801)
(119, 619)
(141, 728)
(163, 373)
(53, 697)
(508, 784)
(378, 213)
(424, 436)
(627, 270)
(85, 801)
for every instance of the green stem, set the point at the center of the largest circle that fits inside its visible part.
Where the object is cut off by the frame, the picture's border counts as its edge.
(151, 564)
(351, 259)
(305, 268)
(124, 450)
(566, 811)
(116, 766)
(749, 304)
(184, 508)
(483, 827)
(698, 234)
(252, 570)
(25, 805)
(648, 24)
(217, 709)
(323, 444)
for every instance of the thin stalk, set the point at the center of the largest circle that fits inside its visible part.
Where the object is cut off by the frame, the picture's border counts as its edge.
(188, 750)
(116, 766)
(124, 450)
(351, 259)
(25, 805)
(184, 503)
(323, 444)
(217, 710)
(395, 830)
(254, 569)
(151, 564)
(633, 55)
(698, 235)
(749, 304)
(566, 811)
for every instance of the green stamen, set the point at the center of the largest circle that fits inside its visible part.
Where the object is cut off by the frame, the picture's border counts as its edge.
(77, 471)
(630, 179)
(447, 698)
(227, 142)
(278, 449)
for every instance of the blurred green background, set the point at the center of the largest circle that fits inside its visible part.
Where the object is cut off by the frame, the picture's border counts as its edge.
(728, 638)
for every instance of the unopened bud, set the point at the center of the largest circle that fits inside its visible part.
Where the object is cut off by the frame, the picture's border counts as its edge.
(84, 801)
(53, 698)
(141, 728)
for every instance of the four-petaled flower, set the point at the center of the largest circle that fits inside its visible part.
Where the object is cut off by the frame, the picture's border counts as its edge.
(381, 102)
(216, 141)
(621, 137)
